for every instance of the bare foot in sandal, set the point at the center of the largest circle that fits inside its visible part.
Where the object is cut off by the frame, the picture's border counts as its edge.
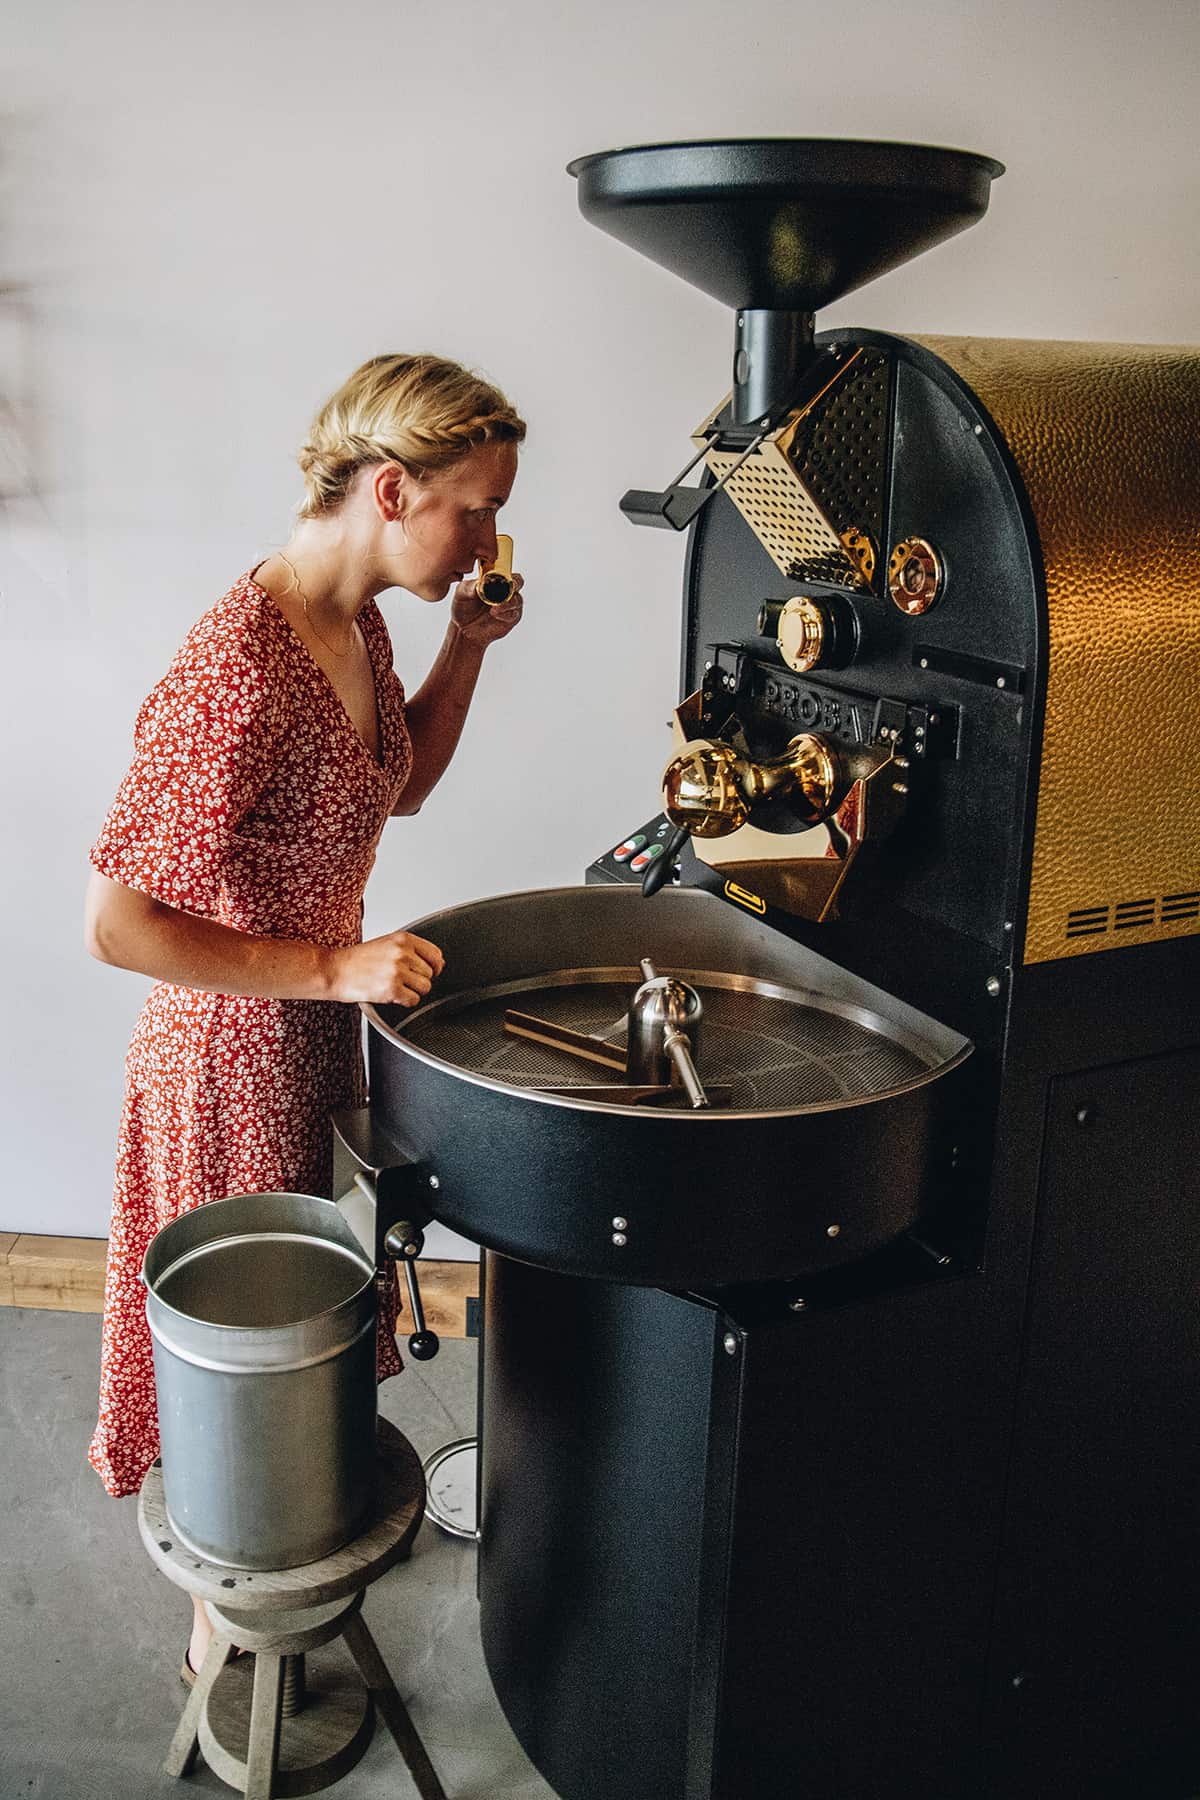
(201, 1638)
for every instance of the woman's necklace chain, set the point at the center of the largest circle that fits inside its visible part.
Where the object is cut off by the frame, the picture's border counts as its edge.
(332, 648)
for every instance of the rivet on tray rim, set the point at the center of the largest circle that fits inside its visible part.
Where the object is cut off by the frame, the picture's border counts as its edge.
(619, 1239)
(620, 1224)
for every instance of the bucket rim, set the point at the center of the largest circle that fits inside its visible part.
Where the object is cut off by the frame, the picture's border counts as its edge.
(354, 1252)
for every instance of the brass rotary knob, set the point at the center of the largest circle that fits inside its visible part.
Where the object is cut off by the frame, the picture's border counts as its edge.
(811, 632)
(802, 633)
(915, 575)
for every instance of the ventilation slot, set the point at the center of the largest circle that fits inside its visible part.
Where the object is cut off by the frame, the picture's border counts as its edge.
(1087, 921)
(1134, 912)
(1130, 915)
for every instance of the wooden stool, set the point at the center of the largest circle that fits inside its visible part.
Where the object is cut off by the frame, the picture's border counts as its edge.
(234, 1713)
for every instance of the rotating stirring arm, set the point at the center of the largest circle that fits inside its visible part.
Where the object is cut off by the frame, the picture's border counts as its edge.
(664, 1019)
(663, 1027)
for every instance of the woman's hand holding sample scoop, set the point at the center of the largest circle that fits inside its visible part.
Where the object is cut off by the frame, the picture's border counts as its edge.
(481, 624)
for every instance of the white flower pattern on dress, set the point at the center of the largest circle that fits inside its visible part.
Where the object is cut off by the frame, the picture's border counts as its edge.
(252, 800)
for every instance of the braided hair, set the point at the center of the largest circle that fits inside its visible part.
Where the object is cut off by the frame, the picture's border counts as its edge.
(423, 412)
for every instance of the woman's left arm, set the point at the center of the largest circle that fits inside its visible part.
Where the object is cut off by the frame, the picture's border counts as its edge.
(438, 710)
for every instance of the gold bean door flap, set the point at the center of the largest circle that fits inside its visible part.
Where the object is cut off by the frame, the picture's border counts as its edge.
(812, 493)
(1107, 441)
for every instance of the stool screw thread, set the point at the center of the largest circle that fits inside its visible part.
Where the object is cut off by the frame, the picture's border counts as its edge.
(292, 1694)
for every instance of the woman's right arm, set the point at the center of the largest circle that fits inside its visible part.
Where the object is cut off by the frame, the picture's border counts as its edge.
(131, 930)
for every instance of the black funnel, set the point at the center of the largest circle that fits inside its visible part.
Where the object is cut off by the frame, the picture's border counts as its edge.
(782, 226)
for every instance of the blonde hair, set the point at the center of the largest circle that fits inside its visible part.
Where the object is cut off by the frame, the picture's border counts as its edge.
(423, 412)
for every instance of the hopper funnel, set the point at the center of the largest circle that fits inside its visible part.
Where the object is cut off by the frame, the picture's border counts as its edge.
(778, 227)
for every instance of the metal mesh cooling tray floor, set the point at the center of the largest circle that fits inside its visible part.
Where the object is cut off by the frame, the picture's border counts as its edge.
(775, 1049)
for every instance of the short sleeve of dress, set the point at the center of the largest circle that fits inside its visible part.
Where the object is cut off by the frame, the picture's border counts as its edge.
(204, 744)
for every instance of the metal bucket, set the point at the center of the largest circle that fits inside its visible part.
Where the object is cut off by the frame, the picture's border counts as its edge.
(262, 1309)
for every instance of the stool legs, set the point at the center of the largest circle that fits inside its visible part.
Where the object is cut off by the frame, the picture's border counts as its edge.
(387, 1699)
(278, 1690)
(185, 1743)
(262, 1751)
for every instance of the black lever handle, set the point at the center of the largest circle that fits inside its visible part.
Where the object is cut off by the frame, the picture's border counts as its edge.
(676, 506)
(661, 867)
(406, 1243)
(674, 509)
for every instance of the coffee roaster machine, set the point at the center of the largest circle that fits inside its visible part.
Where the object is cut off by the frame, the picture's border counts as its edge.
(839, 1435)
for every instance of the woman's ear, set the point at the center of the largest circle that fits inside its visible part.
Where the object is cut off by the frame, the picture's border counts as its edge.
(391, 489)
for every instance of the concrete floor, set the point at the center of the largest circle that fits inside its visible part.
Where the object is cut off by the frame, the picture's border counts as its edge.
(91, 1635)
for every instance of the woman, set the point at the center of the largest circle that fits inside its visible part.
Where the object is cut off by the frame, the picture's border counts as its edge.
(232, 864)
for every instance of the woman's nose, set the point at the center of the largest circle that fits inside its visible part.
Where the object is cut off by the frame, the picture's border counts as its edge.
(485, 543)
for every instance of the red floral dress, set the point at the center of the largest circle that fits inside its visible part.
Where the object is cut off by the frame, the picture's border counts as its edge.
(251, 800)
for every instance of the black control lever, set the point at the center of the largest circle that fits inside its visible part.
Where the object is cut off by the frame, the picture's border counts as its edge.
(405, 1242)
(660, 869)
(676, 506)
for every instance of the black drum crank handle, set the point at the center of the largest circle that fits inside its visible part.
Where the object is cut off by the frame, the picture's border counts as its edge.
(405, 1241)
(660, 869)
(398, 1185)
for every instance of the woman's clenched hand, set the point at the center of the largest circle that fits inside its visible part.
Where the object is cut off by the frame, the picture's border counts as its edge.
(397, 968)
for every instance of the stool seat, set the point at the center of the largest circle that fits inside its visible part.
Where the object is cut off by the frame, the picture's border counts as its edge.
(386, 1539)
(235, 1714)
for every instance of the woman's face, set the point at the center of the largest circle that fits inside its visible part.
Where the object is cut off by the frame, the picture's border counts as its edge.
(449, 519)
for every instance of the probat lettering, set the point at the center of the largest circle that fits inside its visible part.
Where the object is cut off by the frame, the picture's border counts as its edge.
(816, 709)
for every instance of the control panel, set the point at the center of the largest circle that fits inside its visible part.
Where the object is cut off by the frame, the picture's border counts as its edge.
(628, 861)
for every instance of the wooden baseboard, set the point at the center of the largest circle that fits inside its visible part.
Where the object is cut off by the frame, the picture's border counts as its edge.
(449, 1299)
(66, 1274)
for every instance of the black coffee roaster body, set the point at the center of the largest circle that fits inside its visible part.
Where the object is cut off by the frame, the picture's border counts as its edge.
(846, 1448)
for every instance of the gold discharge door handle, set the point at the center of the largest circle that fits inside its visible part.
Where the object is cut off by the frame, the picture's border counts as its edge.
(495, 584)
(709, 788)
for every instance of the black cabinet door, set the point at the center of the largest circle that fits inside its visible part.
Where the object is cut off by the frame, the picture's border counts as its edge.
(1095, 1682)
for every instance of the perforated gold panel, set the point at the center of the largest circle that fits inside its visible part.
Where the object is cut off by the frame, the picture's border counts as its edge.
(812, 492)
(1107, 440)
(784, 518)
(838, 448)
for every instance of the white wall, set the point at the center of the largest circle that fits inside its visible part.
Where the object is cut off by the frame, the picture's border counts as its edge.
(216, 212)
